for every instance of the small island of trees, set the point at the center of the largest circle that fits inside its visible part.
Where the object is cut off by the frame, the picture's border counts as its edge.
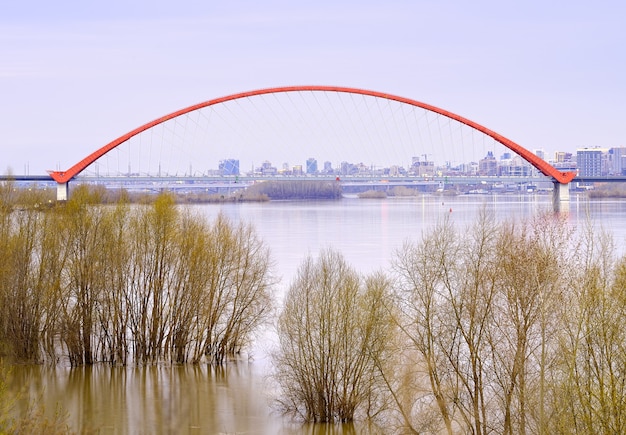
(92, 283)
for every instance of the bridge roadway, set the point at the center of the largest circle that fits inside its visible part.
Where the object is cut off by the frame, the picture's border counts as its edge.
(229, 181)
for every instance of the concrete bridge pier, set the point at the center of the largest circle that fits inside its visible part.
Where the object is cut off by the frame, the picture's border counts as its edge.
(560, 197)
(62, 191)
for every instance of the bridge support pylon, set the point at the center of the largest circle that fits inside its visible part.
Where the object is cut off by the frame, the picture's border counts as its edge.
(560, 196)
(62, 191)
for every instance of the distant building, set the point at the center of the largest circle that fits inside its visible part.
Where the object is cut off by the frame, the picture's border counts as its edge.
(564, 162)
(488, 166)
(229, 167)
(515, 167)
(328, 167)
(285, 169)
(267, 169)
(422, 168)
(346, 168)
(590, 162)
(311, 166)
(617, 158)
(394, 171)
(562, 157)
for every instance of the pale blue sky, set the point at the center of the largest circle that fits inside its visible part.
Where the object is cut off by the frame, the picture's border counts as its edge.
(75, 75)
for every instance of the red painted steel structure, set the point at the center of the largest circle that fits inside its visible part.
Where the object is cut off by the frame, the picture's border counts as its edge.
(543, 166)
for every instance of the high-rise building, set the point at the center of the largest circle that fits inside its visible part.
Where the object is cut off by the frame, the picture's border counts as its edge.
(515, 167)
(229, 167)
(267, 168)
(422, 168)
(590, 162)
(488, 166)
(311, 166)
(617, 158)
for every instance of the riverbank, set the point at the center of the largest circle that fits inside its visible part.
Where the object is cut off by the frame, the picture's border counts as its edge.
(607, 190)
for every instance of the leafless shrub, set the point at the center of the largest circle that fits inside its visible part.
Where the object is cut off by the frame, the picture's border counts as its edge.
(333, 331)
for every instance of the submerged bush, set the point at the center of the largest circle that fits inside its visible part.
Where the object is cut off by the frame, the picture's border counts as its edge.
(333, 332)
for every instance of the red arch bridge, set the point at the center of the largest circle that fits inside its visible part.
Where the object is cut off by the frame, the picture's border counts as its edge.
(394, 116)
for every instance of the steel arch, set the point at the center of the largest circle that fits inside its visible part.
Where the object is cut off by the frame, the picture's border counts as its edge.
(543, 166)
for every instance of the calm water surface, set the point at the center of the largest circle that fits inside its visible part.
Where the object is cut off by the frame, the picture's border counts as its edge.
(237, 398)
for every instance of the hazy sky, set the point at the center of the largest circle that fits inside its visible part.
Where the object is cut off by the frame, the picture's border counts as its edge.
(75, 75)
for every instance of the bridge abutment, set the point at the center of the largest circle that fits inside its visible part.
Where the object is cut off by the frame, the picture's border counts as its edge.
(62, 191)
(560, 196)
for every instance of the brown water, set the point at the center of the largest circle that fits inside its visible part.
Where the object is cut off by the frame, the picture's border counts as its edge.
(155, 399)
(238, 398)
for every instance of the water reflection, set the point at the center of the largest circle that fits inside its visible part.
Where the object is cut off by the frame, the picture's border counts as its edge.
(163, 399)
(337, 429)
(154, 399)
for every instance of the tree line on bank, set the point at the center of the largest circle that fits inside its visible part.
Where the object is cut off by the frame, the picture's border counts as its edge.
(502, 327)
(120, 283)
(295, 189)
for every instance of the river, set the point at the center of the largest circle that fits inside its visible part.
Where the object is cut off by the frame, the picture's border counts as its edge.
(237, 398)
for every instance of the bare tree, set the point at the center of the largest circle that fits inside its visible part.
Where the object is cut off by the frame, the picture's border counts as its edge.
(26, 276)
(153, 235)
(248, 293)
(113, 309)
(332, 331)
(190, 268)
(592, 379)
(532, 278)
(113, 282)
(84, 266)
(422, 271)
(477, 309)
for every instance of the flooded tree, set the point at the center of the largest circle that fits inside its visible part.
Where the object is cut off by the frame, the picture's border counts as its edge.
(590, 379)
(423, 319)
(222, 291)
(478, 311)
(113, 316)
(333, 330)
(533, 270)
(242, 298)
(194, 290)
(85, 255)
(153, 234)
(448, 283)
(148, 283)
(28, 273)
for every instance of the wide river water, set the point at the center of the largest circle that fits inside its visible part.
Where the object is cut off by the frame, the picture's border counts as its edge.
(237, 398)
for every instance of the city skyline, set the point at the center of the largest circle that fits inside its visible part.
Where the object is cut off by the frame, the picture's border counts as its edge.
(588, 161)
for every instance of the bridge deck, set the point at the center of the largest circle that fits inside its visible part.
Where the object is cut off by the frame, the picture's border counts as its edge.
(343, 179)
